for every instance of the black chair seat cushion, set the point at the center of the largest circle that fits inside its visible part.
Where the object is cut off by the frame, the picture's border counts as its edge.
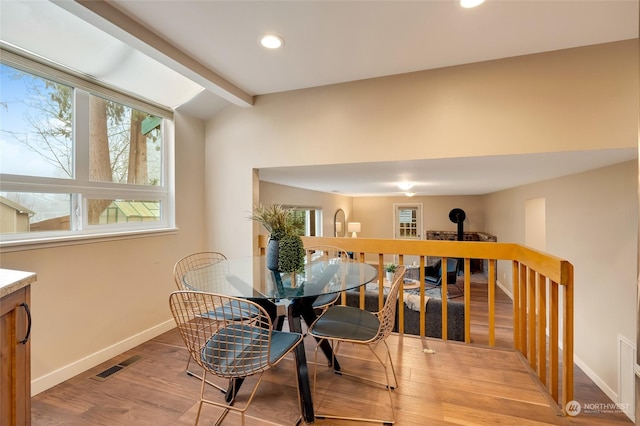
(325, 299)
(239, 350)
(346, 322)
(234, 313)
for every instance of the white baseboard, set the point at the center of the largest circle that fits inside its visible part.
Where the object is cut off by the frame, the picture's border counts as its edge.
(626, 376)
(595, 379)
(53, 378)
(613, 395)
(505, 289)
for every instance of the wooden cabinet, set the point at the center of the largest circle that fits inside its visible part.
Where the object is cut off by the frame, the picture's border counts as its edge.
(15, 357)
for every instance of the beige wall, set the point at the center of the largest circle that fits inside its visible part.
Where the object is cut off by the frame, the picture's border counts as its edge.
(93, 301)
(592, 221)
(584, 98)
(329, 203)
(376, 213)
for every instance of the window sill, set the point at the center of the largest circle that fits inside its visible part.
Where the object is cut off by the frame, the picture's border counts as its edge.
(42, 243)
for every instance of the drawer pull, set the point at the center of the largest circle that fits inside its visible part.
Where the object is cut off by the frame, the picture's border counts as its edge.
(26, 338)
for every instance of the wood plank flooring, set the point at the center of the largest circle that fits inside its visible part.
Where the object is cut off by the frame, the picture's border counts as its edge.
(458, 385)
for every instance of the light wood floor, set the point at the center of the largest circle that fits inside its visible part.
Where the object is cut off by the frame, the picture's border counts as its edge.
(458, 385)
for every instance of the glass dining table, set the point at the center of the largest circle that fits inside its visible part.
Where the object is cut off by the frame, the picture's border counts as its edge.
(250, 278)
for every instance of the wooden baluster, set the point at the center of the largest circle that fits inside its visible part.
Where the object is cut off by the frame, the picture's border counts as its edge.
(567, 341)
(553, 339)
(467, 300)
(443, 274)
(523, 309)
(492, 302)
(531, 318)
(516, 306)
(423, 308)
(542, 328)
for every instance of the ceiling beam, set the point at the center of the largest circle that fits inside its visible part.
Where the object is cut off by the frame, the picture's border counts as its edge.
(116, 23)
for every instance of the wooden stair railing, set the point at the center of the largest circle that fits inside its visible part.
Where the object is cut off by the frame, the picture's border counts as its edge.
(541, 282)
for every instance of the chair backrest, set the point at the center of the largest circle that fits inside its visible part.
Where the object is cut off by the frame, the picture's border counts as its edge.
(387, 315)
(433, 274)
(452, 265)
(213, 262)
(330, 252)
(228, 336)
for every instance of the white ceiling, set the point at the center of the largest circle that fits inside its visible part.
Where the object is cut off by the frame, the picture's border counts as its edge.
(450, 176)
(214, 44)
(329, 42)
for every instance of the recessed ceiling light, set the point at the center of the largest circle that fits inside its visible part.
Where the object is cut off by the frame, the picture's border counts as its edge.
(470, 3)
(405, 186)
(271, 41)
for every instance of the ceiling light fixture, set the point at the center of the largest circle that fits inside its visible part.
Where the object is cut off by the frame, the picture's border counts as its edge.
(468, 4)
(271, 41)
(409, 194)
(405, 186)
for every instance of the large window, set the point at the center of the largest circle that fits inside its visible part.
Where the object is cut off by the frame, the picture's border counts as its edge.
(309, 220)
(78, 159)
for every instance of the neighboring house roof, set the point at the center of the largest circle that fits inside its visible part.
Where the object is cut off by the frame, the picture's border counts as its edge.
(16, 206)
(138, 208)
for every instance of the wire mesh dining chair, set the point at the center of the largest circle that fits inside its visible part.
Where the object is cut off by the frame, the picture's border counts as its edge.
(324, 301)
(225, 336)
(203, 268)
(347, 324)
(212, 264)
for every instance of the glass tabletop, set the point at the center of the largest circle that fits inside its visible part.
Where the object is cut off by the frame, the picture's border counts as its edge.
(249, 277)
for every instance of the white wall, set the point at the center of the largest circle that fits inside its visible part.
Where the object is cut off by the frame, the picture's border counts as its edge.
(93, 301)
(592, 221)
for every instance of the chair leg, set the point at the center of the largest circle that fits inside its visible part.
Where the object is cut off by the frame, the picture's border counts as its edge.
(227, 407)
(387, 385)
(192, 374)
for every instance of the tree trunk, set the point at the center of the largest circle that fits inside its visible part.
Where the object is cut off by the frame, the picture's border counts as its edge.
(99, 160)
(137, 172)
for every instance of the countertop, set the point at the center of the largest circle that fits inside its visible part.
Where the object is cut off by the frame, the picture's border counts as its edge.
(12, 280)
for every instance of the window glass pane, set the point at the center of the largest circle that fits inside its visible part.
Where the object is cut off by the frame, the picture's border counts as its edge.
(35, 125)
(102, 212)
(101, 162)
(407, 223)
(307, 221)
(34, 212)
(125, 144)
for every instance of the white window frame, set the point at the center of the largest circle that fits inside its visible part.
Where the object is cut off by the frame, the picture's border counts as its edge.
(80, 187)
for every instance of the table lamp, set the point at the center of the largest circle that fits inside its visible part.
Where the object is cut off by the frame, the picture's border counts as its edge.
(353, 227)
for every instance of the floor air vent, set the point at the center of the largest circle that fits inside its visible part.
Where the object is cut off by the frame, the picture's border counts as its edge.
(104, 375)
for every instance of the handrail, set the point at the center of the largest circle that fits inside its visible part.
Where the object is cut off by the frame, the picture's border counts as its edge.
(539, 279)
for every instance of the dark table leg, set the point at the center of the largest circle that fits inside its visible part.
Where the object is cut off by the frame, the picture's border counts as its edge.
(309, 314)
(293, 314)
(232, 390)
